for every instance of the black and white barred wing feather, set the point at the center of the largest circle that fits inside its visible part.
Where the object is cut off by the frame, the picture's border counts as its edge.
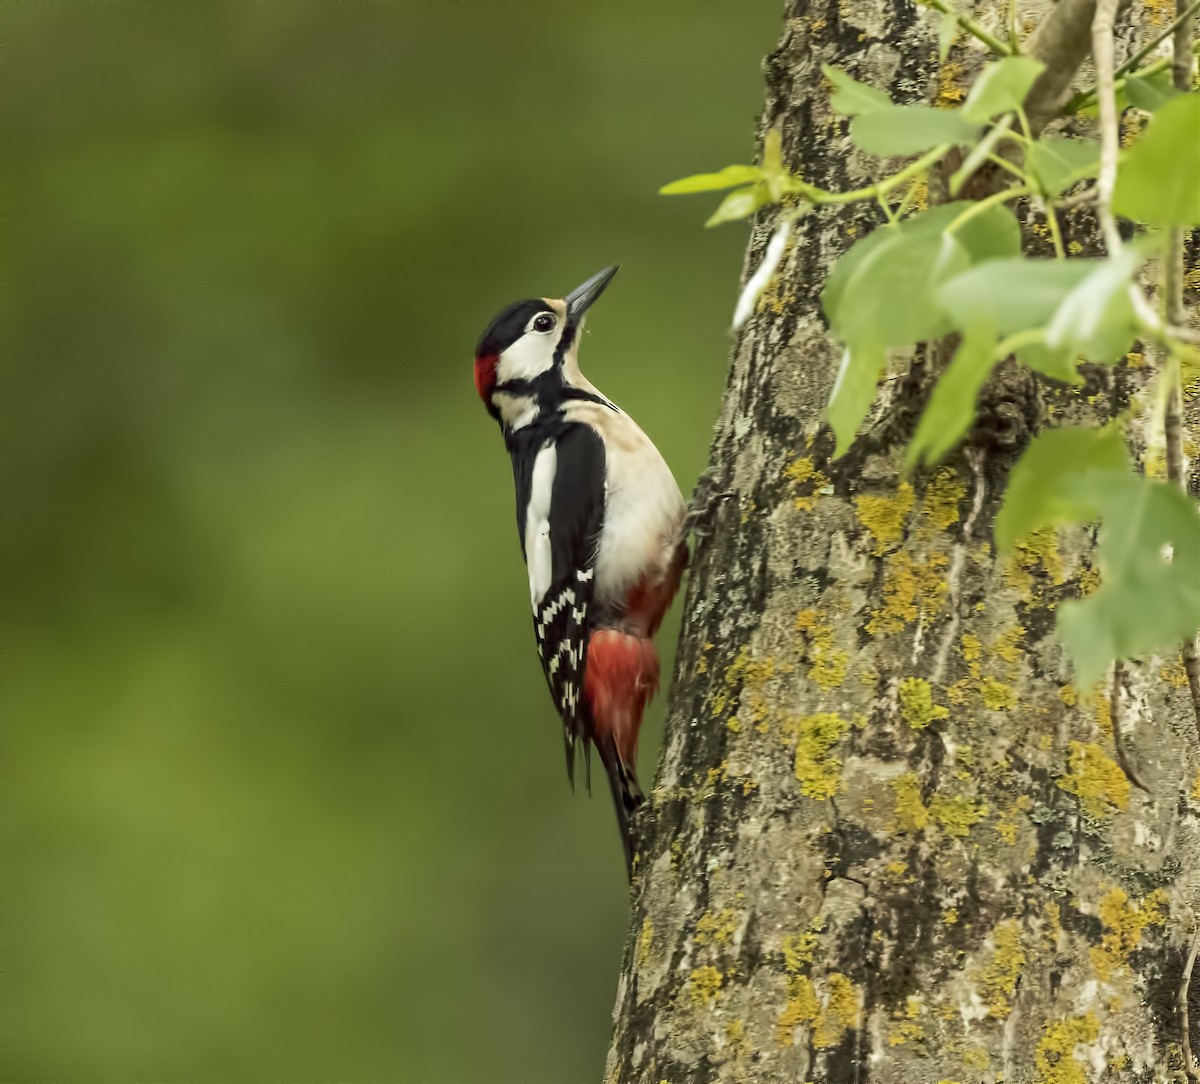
(565, 515)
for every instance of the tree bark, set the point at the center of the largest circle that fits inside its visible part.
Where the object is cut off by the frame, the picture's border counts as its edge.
(889, 839)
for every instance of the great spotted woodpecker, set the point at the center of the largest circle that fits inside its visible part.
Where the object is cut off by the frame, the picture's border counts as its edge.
(601, 523)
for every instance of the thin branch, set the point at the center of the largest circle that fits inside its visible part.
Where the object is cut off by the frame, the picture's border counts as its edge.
(1114, 714)
(979, 206)
(1185, 982)
(1181, 21)
(1110, 144)
(1051, 214)
(873, 191)
(1087, 97)
(972, 27)
(1079, 199)
(1062, 44)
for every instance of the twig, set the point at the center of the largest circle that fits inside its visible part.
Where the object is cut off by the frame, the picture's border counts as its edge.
(872, 191)
(972, 27)
(1051, 214)
(1079, 199)
(1086, 97)
(1180, 21)
(1110, 145)
(1185, 982)
(1114, 714)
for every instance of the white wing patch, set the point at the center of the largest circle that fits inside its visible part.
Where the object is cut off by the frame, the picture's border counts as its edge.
(538, 555)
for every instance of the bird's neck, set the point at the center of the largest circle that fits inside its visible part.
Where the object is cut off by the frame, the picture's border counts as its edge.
(538, 405)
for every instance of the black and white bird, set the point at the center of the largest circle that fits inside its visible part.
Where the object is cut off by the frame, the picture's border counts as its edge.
(601, 523)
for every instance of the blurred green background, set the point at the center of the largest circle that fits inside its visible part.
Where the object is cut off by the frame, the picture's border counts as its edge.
(283, 792)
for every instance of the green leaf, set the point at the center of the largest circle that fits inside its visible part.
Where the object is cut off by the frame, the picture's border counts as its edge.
(853, 391)
(1014, 294)
(844, 269)
(1039, 493)
(1149, 556)
(741, 203)
(987, 236)
(1056, 163)
(1158, 181)
(951, 408)
(1096, 318)
(729, 177)
(889, 299)
(1057, 364)
(850, 96)
(1149, 92)
(947, 32)
(992, 235)
(909, 129)
(1001, 87)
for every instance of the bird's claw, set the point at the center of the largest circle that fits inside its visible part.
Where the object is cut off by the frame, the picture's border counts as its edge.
(703, 503)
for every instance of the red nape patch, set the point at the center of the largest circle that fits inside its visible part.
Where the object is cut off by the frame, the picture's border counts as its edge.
(485, 375)
(621, 676)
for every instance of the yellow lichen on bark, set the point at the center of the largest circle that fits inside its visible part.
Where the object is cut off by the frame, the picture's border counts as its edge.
(840, 1012)
(911, 814)
(715, 929)
(808, 479)
(955, 815)
(884, 516)
(645, 942)
(1095, 779)
(705, 984)
(1124, 921)
(1055, 1056)
(941, 500)
(916, 703)
(827, 664)
(910, 589)
(998, 978)
(818, 771)
(1008, 823)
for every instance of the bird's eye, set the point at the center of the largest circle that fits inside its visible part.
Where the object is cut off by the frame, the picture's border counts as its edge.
(543, 322)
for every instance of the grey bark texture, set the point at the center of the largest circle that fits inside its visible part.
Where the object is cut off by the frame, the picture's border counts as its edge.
(889, 840)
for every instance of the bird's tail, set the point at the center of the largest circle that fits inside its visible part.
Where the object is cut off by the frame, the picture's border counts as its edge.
(627, 795)
(621, 676)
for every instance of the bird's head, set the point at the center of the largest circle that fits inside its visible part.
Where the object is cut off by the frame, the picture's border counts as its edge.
(531, 342)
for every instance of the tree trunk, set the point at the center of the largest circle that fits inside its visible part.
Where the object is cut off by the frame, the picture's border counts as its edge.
(889, 839)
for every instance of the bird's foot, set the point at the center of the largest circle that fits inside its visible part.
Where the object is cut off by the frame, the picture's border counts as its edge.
(706, 498)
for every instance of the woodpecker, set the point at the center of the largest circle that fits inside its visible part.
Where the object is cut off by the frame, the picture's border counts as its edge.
(601, 523)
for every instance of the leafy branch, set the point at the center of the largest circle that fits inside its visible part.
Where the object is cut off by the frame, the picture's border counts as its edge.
(953, 15)
(958, 268)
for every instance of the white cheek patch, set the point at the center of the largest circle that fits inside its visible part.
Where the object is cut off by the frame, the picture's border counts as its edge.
(530, 356)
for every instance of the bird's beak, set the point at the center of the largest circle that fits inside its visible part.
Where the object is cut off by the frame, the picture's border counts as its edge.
(580, 299)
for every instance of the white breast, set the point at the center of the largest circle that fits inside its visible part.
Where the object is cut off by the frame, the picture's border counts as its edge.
(644, 509)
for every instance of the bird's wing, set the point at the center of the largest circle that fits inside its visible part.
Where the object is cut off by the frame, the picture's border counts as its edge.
(561, 540)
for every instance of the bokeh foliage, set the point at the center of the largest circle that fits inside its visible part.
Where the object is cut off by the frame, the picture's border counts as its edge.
(283, 792)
